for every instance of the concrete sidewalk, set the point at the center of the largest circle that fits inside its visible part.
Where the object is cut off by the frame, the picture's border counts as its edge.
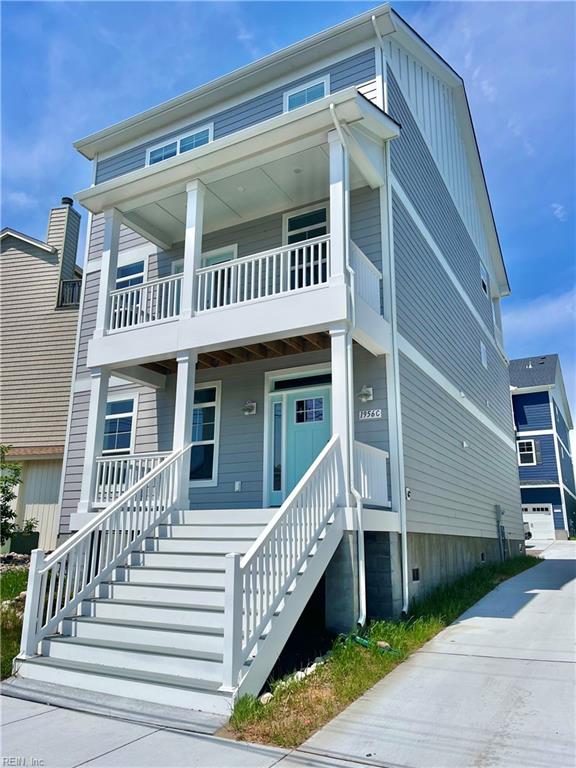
(497, 688)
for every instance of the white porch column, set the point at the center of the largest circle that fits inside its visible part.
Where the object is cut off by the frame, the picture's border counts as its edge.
(112, 221)
(185, 380)
(195, 193)
(339, 201)
(340, 340)
(94, 435)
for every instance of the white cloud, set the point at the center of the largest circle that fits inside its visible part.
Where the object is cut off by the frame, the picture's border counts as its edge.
(536, 319)
(20, 199)
(559, 211)
(489, 89)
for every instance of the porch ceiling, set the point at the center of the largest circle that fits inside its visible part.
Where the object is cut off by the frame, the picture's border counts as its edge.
(261, 351)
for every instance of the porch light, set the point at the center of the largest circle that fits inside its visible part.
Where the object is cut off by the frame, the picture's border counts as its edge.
(366, 393)
(249, 408)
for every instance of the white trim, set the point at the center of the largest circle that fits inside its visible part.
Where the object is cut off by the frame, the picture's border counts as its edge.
(287, 215)
(129, 394)
(539, 485)
(558, 463)
(533, 452)
(27, 239)
(177, 139)
(447, 268)
(217, 385)
(421, 362)
(324, 80)
(535, 433)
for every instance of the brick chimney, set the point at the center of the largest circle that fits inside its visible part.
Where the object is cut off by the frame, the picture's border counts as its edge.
(63, 232)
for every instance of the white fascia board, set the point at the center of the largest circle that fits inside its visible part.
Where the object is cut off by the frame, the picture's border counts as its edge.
(137, 374)
(27, 239)
(244, 80)
(171, 176)
(526, 390)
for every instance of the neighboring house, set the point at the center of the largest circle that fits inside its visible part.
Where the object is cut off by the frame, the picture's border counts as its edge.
(39, 297)
(543, 422)
(290, 319)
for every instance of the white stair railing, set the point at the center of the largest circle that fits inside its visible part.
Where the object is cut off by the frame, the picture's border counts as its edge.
(115, 474)
(259, 276)
(371, 474)
(59, 582)
(367, 277)
(257, 582)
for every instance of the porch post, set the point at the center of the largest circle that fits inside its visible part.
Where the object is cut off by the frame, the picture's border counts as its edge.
(341, 375)
(338, 207)
(94, 435)
(195, 193)
(112, 221)
(185, 380)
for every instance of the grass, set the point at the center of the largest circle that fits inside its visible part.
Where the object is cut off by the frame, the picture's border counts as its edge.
(296, 711)
(12, 582)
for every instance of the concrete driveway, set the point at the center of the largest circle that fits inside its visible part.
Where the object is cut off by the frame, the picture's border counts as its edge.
(497, 688)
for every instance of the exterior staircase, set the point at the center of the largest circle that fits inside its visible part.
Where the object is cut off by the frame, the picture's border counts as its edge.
(148, 602)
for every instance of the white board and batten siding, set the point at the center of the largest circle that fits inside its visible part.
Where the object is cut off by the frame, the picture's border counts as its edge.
(38, 498)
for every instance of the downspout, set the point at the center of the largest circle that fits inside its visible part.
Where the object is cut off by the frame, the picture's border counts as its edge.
(401, 490)
(360, 554)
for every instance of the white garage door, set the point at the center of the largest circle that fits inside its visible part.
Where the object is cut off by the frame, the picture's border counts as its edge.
(540, 519)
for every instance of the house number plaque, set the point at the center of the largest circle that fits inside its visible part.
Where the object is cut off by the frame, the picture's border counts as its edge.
(371, 413)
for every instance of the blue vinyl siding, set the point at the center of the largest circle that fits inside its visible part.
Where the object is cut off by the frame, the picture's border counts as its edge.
(532, 411)
(545, 471)
(567, 468)
(561, 426)
(353, 70)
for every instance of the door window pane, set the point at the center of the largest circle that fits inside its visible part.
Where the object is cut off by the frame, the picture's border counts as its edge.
(202, 462)
(310, 409)
(277, 448)
(205, 419)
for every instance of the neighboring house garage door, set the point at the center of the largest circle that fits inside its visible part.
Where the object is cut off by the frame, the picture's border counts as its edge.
(540, 519)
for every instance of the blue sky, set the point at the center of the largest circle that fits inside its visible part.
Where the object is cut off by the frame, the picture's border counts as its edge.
(96, 63)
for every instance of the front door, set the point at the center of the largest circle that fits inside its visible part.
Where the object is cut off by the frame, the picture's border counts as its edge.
(300, 428)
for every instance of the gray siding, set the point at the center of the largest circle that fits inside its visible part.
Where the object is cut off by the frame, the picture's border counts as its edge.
(353, 70)
(454, 489)
(434, 318)
(415, 169)
(74, 458)
(128, 239)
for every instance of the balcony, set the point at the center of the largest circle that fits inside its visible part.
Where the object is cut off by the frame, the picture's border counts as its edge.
(69, 293)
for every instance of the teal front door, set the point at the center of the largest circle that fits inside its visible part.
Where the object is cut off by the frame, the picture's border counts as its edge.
(301, 427)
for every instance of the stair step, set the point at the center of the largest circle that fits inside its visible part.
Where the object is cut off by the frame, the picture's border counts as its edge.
(179, 560)
(163, 593)
(257, 516)
(197, 546)
(204, 665)
(147, 686)
(227, 531)
(192, 577)
(156, 612)
(191, 638)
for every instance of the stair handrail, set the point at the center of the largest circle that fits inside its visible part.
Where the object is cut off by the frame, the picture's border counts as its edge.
(257, 583)
(59, 582)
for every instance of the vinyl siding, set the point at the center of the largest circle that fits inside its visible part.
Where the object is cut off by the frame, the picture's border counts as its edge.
(37, 349)
(38, 498)
(433, 316)
(353, 70)
(532, 411)
(567, 468)
(542, 496)
(561, 426)
(545, 471)
(74, 458)
(63, 232)
(418, 175)
(454, 489)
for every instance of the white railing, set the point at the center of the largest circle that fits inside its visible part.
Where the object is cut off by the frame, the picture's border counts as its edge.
(115, 474)
(261, 275)
(151, 302)
(371, 474)
(59, 582)
(367, 277)
(258, 582)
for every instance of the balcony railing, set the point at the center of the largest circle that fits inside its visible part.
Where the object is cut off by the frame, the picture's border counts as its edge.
(263, 275)
(367, 277)
(115, 474)
(69, 293)
(151, 302)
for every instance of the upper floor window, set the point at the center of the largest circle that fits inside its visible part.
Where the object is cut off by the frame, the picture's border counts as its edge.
(305, 94)
(179, 145)
(118, 426)
(130, 274)
(483, 354)
(526, 453)
(484, 280)
(305, 225)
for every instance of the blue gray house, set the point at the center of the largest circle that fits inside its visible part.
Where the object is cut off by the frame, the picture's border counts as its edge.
(290, 382)
(542, 421)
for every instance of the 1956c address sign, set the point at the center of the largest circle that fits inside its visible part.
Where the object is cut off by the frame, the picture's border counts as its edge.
(372, 413)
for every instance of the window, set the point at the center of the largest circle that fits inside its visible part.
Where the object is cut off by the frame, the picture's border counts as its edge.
(130, 274)
(277, 447)
(483, 354)
(306, 225)
(118, 426)
(305, 94)
(205, 432)
(526, 453)
(484, 279)
(180, 144)
(217, 256)
(309, 409)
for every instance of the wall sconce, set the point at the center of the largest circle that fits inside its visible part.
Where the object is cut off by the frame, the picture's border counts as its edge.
(249, 408)
(366, 393)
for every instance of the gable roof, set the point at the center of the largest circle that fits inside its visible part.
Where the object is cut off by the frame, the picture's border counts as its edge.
(8, 232)
(533, 371)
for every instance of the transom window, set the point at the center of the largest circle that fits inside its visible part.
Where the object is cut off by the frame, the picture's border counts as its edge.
(118, 426)
(309, 409)
(205, 429)
(526, 453)
(130, 274)
(180, 144)
(305, 94)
